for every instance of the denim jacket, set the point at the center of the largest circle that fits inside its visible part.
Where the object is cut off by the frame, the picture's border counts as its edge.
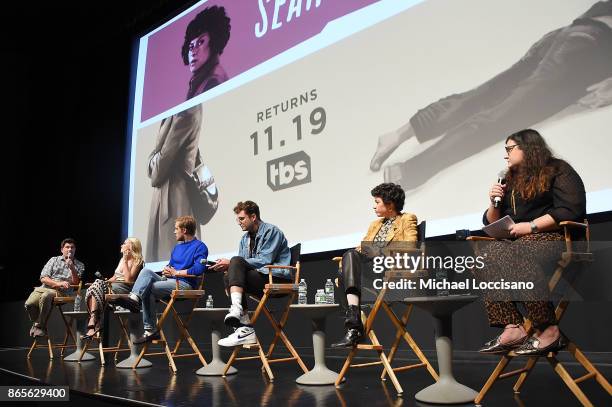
(270, 248)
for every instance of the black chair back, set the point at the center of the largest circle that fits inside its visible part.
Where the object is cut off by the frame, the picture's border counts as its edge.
(295, 253)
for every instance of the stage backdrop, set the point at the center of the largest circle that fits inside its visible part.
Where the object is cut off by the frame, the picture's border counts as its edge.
(310, 104)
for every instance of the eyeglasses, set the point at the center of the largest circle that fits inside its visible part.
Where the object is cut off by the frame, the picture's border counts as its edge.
(197, 43)
(510, 148)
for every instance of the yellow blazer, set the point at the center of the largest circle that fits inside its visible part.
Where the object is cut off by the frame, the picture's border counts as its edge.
(404, 229)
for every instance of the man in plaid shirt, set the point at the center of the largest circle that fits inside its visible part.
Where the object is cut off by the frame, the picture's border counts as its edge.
(56, 277)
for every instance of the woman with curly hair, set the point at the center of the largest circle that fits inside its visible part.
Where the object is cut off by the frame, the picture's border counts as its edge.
(176, 154)
(126, 272)
(540, 191)
(205, 39)
(392, 225)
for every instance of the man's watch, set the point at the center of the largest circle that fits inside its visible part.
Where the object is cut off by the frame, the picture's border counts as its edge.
(534, 227)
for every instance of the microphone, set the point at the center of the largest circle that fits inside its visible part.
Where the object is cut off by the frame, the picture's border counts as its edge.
(500, 179)
(97, 274)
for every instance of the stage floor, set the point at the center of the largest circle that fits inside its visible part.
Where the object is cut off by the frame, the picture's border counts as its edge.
(158, 386)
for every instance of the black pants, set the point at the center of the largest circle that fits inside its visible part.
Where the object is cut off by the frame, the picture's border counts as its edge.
(356, 270)
(242, 274)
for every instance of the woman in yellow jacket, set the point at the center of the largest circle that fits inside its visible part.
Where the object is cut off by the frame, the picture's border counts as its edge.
(392, 226)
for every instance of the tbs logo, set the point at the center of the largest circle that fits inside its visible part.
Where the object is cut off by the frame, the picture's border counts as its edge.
(288, 171)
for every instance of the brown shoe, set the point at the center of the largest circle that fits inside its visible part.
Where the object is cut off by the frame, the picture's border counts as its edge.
(38, 332)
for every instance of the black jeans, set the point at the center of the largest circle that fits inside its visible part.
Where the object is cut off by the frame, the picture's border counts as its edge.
(242, 274)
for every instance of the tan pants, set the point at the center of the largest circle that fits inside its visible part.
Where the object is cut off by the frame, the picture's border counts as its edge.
(39, 304)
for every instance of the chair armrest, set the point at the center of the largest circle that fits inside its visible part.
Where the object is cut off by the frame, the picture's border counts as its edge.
(574, 225)
(176, 278)
(480, 239)
(272, 266)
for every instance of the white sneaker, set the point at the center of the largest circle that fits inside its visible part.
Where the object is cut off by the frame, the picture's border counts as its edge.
(245, 335)
(236, 317)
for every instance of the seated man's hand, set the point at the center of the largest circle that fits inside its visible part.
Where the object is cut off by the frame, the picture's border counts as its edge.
(62, 285)
(222, 265)
(169, 271)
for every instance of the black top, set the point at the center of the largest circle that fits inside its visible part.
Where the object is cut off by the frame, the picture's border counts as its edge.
(565, 200)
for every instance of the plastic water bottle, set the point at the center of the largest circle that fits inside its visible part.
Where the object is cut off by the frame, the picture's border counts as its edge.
(320, 296)
(77, 303)
(302, 292)
(329, 292)
(209, 302)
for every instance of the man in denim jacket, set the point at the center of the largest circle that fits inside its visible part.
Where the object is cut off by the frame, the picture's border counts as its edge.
(261, 245)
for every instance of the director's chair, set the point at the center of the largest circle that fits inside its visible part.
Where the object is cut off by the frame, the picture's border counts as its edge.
(274, 290)
(123, 333)
(568, 258)
(398, 322)
(190, 297)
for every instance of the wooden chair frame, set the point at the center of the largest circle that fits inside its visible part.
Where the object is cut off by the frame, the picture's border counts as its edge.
(273, 290)
(182, 324)
(567, 258)
(400, 326)
(123, 334)
(58, 302)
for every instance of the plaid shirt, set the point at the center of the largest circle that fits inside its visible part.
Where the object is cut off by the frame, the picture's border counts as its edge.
(56, 269)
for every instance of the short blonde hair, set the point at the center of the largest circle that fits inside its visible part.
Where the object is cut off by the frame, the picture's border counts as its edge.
(187, 222)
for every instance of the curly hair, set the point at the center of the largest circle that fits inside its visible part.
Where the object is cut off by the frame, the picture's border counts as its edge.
(534, 175)
(390, 193)
(211, 20)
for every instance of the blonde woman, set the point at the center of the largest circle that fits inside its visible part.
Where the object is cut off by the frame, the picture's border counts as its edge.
(126, 272)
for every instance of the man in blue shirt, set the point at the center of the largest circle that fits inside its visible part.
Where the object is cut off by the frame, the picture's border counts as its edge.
(185, 260)
(262, 244)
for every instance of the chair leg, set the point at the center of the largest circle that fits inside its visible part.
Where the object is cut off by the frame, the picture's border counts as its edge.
(531, 362)
(279, 333)
(32, 348)
(85, 347)
(50, 346)
(501, 365)
(264, 361)
(168, 352)
(386, 364)
(569, 381)
(345, 367)
(586, 363)
(143, 351)
(402, 333)
(231, 359)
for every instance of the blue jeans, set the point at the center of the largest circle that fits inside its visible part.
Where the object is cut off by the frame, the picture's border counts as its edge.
(150, 286)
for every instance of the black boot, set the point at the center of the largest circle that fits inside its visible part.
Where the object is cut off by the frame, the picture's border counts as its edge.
(354, 326)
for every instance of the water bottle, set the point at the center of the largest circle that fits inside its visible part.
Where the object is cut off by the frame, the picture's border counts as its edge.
(441, 275)
(209, 302)
(329, 292)
(77, 303)
(302, 292)
(320, 296)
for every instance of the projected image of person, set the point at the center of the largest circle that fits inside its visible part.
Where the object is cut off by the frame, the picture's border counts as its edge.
(540, 191)
(127, 270)
(558, 71)
(392, 226)
(176, 157)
